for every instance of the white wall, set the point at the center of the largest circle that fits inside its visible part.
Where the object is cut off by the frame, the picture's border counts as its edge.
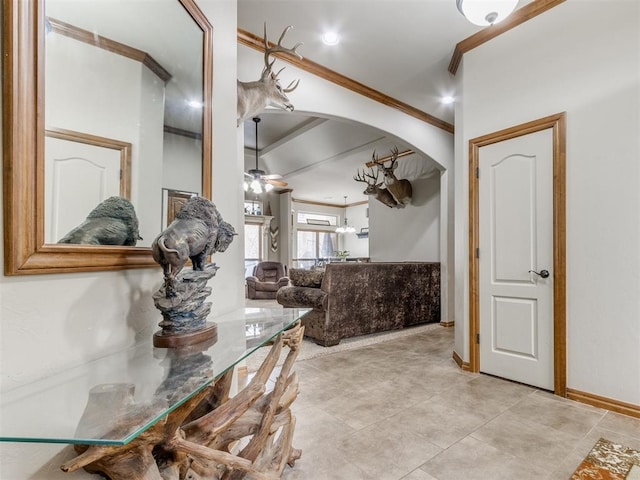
(580, 57)
(182, 167)
(48, 322)
(411, 233)
(128, 108)
(357, 216)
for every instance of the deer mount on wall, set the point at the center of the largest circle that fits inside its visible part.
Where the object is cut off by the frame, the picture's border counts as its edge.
(374, 188)
(397, 192)
(254, 97)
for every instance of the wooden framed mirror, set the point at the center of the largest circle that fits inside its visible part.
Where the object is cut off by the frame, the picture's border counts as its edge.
(54, 81)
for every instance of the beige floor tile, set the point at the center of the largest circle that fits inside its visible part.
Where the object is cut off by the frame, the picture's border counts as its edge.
(485, 395)
(386, 452)
(419, 475)
(402, 410)
(314, 428)
(471, 459)
(532, 442)
(327, 463)
(584, 446)
(441, 424)
(558, 413)
(370, 405)
(621, 423)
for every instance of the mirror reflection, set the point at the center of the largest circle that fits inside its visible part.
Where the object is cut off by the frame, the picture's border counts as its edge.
(123, 113)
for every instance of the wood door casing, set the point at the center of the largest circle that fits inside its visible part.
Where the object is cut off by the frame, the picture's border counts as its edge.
(557, 123)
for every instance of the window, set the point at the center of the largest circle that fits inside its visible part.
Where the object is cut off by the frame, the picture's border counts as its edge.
(313, 247)
(252, 247)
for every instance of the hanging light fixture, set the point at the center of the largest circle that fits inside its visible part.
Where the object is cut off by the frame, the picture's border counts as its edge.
(486, 12)
(345, 228)
(256, 176)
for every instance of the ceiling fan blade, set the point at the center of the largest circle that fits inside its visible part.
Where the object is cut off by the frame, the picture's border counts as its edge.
(277, 183)
(271, 176)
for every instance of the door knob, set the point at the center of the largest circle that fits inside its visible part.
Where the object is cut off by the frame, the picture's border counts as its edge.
(542, 273)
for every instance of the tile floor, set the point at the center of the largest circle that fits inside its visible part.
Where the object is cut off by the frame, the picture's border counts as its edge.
(404, 410)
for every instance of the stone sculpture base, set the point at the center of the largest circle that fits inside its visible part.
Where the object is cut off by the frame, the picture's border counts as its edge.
(184, 315)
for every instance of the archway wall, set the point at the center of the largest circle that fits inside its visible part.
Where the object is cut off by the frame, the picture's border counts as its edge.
(431, 229)
(320, 97)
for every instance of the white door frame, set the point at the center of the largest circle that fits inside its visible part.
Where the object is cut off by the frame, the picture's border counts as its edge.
(558, 124)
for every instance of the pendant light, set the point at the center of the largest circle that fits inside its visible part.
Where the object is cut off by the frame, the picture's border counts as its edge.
(486, 12)
(257, 183)
(345, 228)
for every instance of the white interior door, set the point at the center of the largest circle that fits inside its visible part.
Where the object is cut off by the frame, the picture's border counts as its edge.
(79, 176)
(516, 240)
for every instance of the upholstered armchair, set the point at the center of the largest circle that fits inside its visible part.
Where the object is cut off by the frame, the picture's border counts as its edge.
(267, 279)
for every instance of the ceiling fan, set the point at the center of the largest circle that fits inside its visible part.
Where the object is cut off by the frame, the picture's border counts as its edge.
(257, 180)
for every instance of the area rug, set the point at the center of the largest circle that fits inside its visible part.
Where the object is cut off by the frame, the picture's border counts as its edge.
(311, 350)
(609, 461)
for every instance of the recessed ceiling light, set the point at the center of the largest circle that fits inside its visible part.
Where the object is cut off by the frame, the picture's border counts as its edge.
(447, 99)
(330, 38)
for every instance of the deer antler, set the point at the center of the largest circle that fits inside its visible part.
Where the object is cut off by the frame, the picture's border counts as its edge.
(291, 88)
(394, 156)
(361, 178)
(268, 51)
(364, 176)
(375, 159)
(370, 175)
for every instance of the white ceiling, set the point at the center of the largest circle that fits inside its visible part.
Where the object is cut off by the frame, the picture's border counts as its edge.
(318, 157)
(401, 48)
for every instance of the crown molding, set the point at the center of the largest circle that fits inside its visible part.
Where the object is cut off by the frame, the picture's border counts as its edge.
(98, 41)
(248, 39)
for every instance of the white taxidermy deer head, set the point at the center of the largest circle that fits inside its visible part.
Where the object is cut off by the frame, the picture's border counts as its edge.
(254, 97)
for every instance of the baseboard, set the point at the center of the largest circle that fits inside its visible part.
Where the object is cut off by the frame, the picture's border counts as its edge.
(447, 324)
(463, 365)
(604, 402)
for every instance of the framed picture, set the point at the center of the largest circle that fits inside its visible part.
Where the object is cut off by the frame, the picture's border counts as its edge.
(252, 207)
(172, 202)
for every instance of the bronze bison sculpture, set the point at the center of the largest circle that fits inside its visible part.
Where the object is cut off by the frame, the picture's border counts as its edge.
(197, 231)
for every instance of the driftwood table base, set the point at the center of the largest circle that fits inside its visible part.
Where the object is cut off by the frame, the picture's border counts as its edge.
(212, 436)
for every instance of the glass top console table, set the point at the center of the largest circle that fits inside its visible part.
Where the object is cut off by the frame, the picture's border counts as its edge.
(170, 403)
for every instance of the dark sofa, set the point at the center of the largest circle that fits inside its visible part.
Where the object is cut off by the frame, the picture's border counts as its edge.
(362, 298)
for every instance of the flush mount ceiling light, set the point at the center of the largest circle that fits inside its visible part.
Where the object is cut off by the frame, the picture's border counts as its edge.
(486, 12)
(330, 38)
